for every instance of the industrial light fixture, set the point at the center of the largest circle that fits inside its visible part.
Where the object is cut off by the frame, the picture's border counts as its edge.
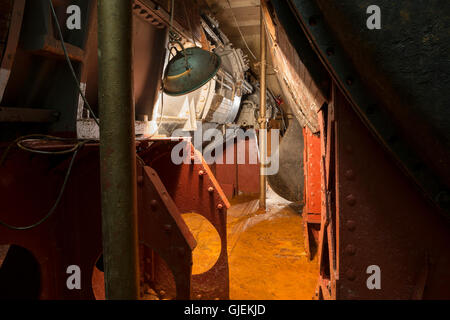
(189, 70)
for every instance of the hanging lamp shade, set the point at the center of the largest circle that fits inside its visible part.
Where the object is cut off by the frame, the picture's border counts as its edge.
(189, 70)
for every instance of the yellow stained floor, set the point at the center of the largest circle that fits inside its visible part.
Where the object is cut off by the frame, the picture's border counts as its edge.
(266, 255)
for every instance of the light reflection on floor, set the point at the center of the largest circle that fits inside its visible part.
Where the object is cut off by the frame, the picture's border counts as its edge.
(266, 255)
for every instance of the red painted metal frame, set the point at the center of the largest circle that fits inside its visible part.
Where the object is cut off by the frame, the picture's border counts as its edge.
(193, 188)
(162, 229)
(372, 214)
(29, 184)
(237, 178)
(312, 190)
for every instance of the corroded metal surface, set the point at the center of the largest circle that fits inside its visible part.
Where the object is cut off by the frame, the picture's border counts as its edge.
(117, 150)
(162, 229)
(312, 154)
(373, 215)
(194, 189)
(390, 94)
(29, 185)
(304, 82)
(236, 178)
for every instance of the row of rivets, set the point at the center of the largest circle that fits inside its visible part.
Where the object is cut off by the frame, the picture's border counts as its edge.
(350, 199)
(148, 16)
(370, 110)
(201, 173)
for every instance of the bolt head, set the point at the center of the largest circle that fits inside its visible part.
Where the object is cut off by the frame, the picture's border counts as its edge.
(351, 200)
(350, 274)
(351, 225)
(350, 250)
(349, 174)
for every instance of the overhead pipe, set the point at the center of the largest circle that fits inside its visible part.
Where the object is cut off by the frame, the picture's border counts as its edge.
(262, 113)
(117, 150)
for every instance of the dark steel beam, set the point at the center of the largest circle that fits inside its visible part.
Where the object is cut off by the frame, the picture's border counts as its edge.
(117, 150)
(28, 115)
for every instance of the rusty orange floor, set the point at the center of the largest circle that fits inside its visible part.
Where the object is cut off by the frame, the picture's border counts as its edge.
(266, 255)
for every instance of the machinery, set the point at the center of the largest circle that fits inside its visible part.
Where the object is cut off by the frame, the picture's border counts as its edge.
(41, 98)
(365, 151)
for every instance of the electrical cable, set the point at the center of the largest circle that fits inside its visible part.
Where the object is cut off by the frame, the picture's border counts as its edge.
(19, 141)
(74, 150)
(69, 63)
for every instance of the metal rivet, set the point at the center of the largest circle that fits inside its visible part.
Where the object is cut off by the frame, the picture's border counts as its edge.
(350, 250)
(153, 203)
(349, 174)
(167, 227)
(350, 274)
(210, 189)
(351, 225)
(220, 206)
(350, 199)
(201, 173)
(350, 81)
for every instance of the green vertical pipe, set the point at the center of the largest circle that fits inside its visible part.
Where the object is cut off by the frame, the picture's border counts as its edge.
(117, 149)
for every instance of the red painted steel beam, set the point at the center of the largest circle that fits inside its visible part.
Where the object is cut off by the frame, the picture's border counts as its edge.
(374, 216)
(193, 188)
(312, 190)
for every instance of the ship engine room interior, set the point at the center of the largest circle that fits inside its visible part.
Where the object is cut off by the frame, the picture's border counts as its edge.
(224, 150)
